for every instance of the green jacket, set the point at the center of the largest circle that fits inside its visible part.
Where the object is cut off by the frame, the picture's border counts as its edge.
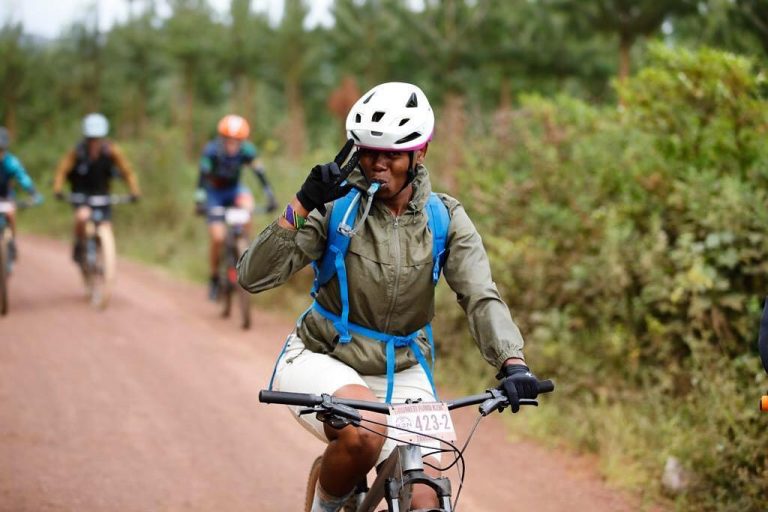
(389, 268)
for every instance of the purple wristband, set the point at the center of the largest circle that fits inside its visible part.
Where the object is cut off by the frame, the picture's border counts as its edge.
(293, 218)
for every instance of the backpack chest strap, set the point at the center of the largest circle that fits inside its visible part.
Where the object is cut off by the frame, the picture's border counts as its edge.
(392, 342)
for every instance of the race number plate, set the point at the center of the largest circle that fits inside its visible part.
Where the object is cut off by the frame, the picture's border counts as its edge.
(237, 216)
(422, 419)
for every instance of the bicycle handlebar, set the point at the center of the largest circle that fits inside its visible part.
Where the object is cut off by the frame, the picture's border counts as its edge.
(96, 200)
(20, 203)
(311, 400)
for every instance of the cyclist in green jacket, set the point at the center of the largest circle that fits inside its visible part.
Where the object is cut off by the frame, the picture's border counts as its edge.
(386, 289)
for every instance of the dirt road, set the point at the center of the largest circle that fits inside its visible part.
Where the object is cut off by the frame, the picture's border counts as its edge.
(152, 406)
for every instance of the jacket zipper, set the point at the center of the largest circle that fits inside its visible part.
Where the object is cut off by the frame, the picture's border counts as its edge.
(396, 289)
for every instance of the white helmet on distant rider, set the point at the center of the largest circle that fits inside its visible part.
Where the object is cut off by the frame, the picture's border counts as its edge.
(95, 126)
(393, 116)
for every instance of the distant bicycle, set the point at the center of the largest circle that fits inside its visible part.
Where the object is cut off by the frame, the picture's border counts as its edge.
(235, 243)
(7, 246)
(96, 255)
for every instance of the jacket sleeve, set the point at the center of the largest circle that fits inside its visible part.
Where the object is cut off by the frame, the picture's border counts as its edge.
(125, 169)
(278, 253)
(468, 273)
(62, 170)
(20, 174)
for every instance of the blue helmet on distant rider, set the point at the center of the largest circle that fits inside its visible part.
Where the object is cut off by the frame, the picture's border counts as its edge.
(95, 126)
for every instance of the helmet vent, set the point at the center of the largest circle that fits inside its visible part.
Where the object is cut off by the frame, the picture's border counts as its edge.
(377, 134)
(409, 138)
(376, 117)
(369, 97)
(404, 121)
(358, 118)
(412, 101)
(354, 136)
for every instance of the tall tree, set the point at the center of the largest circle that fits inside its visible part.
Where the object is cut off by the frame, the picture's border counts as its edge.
(369, 40)
(134, 48)
(247, 38)
(627, 19)
(12, 72)
(292, 53)
(192, 40)
(753, 15)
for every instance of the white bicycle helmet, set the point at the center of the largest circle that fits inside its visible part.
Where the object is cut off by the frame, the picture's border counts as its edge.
(95, 125)
(393, 116)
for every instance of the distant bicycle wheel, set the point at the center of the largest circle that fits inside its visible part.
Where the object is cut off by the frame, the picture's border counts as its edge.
(225, 289)
(3, 275)
(107, 263)
(91, 268)
(244, 296)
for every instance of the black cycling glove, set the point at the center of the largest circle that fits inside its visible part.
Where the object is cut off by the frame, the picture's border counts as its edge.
(324, 183)
(517, 382)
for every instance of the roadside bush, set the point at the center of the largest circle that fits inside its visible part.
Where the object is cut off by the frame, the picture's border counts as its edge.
(630, 244)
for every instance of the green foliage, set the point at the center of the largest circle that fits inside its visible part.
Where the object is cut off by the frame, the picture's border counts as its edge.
(630, 245)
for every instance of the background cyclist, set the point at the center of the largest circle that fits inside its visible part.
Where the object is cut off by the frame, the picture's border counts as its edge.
(12, 171)
(89, 167)
(220, 184)
(389, 270)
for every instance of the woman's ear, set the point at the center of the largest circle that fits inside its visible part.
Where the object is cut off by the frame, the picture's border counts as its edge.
(422, 154)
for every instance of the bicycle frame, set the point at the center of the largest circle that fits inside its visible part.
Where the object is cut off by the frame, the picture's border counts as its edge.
(235, 220)
(98, 260)
(6, 239)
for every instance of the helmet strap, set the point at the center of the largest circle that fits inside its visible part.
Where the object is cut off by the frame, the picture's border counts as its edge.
(411, 172)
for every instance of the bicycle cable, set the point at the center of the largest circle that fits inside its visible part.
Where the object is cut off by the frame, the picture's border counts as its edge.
(458, 457)
(463, 448)
(453, 447)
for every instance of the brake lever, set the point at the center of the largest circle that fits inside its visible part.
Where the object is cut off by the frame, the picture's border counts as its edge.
(336, 415)
(499, 402)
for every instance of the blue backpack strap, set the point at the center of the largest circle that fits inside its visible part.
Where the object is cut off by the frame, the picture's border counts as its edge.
(438, 221)
(392, 342)
(325, 268)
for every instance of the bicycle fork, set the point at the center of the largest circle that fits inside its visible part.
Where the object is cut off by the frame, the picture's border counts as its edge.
(404, 469)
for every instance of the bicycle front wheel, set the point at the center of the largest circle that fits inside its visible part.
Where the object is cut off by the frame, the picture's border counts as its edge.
(314, 476)
(101, 266)
(225, 289)
(244, 296)
(3, 274)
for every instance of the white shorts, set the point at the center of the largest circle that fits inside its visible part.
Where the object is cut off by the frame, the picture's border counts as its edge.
(302, 371)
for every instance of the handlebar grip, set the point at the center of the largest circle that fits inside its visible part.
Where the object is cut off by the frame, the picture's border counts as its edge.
(286, 398)
(546, 386)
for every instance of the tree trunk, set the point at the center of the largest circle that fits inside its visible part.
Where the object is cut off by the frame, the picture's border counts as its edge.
(141, 107)
(295, 135)
(189, 110)
(625, 46)
(452, 134)
(10, 117)
(341, 100)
